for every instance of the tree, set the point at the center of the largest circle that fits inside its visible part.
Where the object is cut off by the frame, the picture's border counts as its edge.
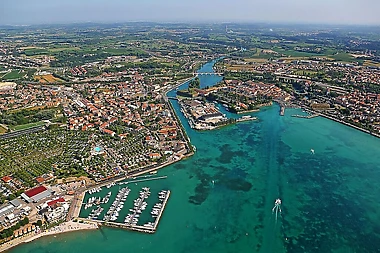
(39, 223)
(195, 83)
(24, 221)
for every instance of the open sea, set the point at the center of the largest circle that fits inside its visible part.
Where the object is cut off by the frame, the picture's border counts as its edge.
(222, 197)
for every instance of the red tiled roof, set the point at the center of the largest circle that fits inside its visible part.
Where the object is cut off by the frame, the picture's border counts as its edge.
(6, 179)
(40, 179)
(53, 202)
(33, 192)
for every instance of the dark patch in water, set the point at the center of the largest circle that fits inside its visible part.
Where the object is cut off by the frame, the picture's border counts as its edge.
(227, 154)
(235, 173)
(220, 169)
(238, 184)
(334, 218)
(202, 190)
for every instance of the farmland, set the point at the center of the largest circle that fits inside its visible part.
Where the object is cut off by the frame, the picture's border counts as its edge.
(2, 130)
(47, 79)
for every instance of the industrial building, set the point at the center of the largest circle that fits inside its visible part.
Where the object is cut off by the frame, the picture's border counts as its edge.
(36, 194)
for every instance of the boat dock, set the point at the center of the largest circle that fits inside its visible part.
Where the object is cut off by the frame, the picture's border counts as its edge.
(129, 223)
(161, 211)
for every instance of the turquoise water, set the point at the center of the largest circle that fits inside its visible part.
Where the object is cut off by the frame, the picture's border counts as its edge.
(97, 149)
(329, 199)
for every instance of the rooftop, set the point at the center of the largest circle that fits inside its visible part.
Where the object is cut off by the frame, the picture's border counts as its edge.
(33, 192)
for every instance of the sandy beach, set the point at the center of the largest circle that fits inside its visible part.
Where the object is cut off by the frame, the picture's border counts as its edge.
(68, 226)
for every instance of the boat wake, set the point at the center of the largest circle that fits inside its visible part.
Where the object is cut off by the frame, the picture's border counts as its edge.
(277, 208)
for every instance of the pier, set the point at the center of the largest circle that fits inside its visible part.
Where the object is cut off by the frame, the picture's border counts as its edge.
(161, 211)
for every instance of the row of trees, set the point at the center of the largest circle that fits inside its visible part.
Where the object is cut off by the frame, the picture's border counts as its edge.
(9, 231)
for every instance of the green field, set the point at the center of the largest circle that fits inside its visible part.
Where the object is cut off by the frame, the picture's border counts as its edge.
(14, 74)
(26, 126)
(35, 51)
(123, 51)
(344, 57)
(61, 49)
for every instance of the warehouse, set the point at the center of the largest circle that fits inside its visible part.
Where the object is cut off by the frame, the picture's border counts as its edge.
(36, 194)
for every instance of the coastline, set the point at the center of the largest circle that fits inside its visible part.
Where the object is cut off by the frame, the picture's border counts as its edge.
(350, 125)
(65, 227)
(341, 122)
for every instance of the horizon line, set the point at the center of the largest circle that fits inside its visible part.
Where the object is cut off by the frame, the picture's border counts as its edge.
(204, 22)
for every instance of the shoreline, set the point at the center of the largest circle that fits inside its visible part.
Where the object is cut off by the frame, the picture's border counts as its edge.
(341, 122)
(350, 125)
(65, 227)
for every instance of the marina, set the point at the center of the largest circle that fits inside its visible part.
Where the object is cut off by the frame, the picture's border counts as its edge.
(126, 205)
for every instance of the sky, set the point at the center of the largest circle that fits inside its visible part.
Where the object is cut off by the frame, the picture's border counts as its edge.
(26, 12)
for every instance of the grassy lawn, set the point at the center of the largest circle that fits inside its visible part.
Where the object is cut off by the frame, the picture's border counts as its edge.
(26, 126)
